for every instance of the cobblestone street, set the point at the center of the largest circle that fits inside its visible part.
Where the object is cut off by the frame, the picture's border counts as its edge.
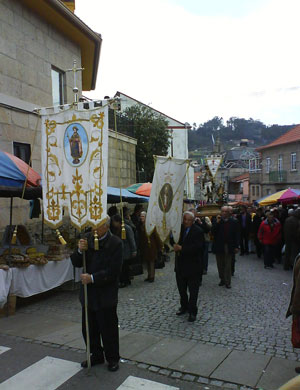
(250, 316)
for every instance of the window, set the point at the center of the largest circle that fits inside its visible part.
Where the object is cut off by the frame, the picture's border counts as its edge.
(293, 162)
(58, 86)
(257, 190)
(268, 165)
(280, 163)
(253, 190)
(268, 191)
(22, 151)
(254, 165)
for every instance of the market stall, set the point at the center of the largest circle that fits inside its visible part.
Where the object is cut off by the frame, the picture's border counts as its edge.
(5, 284)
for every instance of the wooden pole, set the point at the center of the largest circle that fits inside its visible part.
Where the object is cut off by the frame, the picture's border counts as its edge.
(88, 349)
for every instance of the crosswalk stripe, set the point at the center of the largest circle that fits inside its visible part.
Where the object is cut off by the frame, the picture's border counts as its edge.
(46, 374)
(134, 383)
(3, 349)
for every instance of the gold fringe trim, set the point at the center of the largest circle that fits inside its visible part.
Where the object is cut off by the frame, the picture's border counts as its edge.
(60, 237)
(14, 236)
(96, 241)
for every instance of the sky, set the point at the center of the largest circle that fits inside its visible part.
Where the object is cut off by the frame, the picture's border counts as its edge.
(196, 59)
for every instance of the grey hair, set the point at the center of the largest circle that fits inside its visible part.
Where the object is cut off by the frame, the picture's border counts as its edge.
(189, 213)
(144, 213)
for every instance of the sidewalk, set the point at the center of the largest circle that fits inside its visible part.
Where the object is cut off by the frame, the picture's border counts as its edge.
(179, 358)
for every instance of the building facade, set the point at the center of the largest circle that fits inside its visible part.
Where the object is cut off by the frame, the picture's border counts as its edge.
(179, 138)
(39, 41)
(278, 167)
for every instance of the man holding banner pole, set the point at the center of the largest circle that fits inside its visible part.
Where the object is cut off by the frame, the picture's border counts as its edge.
(103, 267)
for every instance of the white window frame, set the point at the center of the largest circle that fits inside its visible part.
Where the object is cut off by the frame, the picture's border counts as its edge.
(268, 164)
(280, 163)
(294, 161)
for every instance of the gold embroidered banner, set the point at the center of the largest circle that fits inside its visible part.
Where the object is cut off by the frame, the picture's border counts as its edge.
(166, 198)
(74, 165)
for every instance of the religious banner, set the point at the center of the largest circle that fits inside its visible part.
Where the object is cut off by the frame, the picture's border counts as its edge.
(213, 162)
(74, 165)
(166, 198)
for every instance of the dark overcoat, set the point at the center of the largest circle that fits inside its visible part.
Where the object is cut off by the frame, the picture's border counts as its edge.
(217, 231)
(188, 260)
(105, 265)
(294, 306)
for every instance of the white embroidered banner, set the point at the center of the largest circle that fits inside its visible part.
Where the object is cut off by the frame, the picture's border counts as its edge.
(166, 198)
(213, 163)
(74, 166)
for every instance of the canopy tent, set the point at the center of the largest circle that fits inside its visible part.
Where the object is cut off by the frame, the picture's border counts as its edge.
(13, 172)
(113, 196)
(140, 189)
(285, 196)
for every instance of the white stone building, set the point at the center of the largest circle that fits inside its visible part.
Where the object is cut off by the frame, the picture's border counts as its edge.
(179, 138)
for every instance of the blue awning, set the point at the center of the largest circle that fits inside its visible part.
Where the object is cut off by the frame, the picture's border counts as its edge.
(113, 196)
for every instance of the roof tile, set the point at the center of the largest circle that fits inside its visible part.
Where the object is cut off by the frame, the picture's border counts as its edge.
(292, 135)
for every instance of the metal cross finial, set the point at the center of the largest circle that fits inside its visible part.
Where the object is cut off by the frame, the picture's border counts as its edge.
(75, 88)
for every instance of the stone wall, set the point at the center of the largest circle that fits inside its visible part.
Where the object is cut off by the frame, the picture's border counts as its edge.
(121, 160)
(28, 49)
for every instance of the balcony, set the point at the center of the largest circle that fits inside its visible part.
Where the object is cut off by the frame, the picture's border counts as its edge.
(277, 176)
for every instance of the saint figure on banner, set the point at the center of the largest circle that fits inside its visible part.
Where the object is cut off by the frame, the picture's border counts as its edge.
(75, 146)
(165, 197)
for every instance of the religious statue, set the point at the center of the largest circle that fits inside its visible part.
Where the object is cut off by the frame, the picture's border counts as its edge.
(75, 146)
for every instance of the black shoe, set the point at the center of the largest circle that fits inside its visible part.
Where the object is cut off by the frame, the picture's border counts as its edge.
(94, 361)
(151, 280)
(204, 272)
(191, 318)
(181, 312)
(227, 286)
(297, 369)
(113, 366)
(222, 283)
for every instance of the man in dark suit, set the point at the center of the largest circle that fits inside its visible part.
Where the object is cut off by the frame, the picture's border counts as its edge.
(244, 219)
(103, 268)
(188, 266)
(226, 243)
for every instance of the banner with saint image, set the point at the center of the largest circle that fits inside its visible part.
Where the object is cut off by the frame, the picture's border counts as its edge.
(166, 198)
(74, 165)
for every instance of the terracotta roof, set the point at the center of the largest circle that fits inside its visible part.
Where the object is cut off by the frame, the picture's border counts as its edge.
(290, 136)
(243, 177)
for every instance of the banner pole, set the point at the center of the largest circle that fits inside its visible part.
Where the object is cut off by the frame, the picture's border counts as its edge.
(88, 349)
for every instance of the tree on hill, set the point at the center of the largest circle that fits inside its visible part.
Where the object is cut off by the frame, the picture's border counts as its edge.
(153, 138)
(234, 130)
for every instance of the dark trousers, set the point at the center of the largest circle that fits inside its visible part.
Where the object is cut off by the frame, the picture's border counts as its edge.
(258, 245)
(244, 241)
(191, 284)
(125, 272)
(103, 325)
(205, 255)
(269, 255)
(233, 264)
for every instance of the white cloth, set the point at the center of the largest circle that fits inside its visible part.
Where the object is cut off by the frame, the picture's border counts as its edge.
(36, 279)
(166, 198)
(5, 283)
(74, 165)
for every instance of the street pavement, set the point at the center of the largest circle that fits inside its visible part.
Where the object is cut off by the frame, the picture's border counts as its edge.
(240, 338)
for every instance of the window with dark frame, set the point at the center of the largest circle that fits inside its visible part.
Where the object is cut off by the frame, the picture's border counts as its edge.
(22, 151)
(253, 190)
(58, 86)
(257, 190)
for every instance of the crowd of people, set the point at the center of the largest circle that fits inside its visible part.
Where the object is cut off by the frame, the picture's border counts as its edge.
(267, 232)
